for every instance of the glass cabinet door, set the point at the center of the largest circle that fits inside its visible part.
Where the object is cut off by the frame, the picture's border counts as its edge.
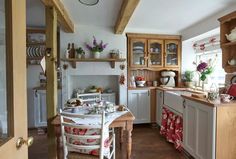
(155, 53)
(138, 53)
(172, 50)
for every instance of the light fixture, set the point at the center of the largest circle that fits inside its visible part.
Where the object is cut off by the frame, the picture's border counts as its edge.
(89, 2)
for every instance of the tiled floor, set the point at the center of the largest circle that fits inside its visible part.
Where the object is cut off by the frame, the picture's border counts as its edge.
(147, 144)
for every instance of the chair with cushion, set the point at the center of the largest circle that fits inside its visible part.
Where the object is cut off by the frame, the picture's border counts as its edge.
(83, 140)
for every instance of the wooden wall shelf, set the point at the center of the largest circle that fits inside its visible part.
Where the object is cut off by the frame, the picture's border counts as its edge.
(227, 24)
(112, 61)
(229, 44)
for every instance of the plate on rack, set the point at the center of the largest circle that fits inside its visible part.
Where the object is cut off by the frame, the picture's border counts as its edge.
(233, 79)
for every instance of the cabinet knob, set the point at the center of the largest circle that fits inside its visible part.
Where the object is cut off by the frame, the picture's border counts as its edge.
(184, 102)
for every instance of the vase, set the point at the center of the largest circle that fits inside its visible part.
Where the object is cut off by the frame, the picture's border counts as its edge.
(96, 55)
(79, 56)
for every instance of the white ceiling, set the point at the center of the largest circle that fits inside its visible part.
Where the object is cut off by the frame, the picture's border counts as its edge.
(102, 14)
(166, 15)
(174, 15)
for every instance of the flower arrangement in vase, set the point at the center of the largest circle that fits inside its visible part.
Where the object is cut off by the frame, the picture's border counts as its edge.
(205, 69)
(96, 48)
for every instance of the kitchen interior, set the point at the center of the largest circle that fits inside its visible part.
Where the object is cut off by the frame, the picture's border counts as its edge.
(181, 84)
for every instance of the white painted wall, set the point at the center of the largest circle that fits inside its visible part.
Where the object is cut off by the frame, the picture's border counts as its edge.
(206, 24)
(84, 34)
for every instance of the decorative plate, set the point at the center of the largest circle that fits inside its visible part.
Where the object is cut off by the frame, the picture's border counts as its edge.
(233, 79)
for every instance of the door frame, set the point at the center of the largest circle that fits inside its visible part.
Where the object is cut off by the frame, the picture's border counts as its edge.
(16, 77)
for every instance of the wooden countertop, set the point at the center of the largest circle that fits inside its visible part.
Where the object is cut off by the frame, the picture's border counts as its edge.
(216, 103)
(141, 88)
(204, 101)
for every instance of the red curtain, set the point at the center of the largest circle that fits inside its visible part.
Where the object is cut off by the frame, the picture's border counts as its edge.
(172, 127)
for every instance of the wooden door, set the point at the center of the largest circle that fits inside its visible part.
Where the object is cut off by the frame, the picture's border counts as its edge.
(139, 105)
(172, 53)
(155, 53)
(13, 105)
(138, 53)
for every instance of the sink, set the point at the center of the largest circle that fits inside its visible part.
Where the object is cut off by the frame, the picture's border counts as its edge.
(173, 100)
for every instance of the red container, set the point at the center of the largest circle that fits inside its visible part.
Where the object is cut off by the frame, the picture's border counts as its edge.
(232, 90)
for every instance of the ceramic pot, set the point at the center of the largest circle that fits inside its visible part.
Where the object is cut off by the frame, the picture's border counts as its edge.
(189, 84)
(96, 55)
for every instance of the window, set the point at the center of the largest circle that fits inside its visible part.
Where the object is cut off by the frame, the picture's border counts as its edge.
(218, 75)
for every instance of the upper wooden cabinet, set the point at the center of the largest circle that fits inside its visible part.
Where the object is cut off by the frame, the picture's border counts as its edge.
(154, 51)
(138, 52)
(172, 53)
(227, 24)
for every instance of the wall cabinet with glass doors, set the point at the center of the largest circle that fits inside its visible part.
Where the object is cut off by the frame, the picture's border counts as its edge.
(154, 51)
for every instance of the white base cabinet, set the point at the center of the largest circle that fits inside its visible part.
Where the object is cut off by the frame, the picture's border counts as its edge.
(40, 107)
(159, 105)
(139, 105)
(199, 129)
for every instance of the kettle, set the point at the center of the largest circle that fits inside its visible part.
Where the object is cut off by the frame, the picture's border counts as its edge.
(232, 90)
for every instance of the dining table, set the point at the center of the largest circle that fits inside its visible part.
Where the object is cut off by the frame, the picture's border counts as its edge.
(124, 122)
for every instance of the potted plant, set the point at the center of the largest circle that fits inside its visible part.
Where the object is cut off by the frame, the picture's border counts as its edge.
(188, 75)
(96, 48)
(80, 53)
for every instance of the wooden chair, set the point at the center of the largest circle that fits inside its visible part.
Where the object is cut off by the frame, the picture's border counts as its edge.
(69, 148)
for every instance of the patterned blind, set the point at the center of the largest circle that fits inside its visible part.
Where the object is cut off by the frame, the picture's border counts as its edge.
(207, 44)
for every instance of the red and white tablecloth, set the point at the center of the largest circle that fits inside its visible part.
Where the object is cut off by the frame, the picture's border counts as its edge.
(172, 127)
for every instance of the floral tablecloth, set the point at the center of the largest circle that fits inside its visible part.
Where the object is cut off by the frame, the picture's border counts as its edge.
(172, 127)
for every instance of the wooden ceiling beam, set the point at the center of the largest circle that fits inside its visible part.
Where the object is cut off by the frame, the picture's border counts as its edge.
(126, 11)
(63, 17)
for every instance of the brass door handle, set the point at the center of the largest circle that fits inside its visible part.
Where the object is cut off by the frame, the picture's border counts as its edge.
(20, 141)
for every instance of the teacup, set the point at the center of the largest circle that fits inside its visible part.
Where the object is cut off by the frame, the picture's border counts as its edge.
(225, 98)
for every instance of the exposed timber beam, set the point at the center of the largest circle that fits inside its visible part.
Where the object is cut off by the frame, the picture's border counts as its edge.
(126, 11)
(51, 74)
(63, 17)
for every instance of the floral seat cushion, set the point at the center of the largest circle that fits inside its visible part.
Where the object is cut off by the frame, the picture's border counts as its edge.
(77, 131)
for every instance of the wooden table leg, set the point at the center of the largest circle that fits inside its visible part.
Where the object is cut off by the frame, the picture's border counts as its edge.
(121, 136)
(129, 128)
(58, 135)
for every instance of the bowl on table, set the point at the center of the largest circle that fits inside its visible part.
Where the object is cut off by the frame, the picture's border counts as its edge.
(140, 83)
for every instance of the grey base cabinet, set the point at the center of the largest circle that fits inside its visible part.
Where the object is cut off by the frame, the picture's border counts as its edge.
(40, 107)
(139, 105)
(159, 105)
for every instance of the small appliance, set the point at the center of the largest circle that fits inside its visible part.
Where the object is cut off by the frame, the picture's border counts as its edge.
(232, 90)
(167, 78)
